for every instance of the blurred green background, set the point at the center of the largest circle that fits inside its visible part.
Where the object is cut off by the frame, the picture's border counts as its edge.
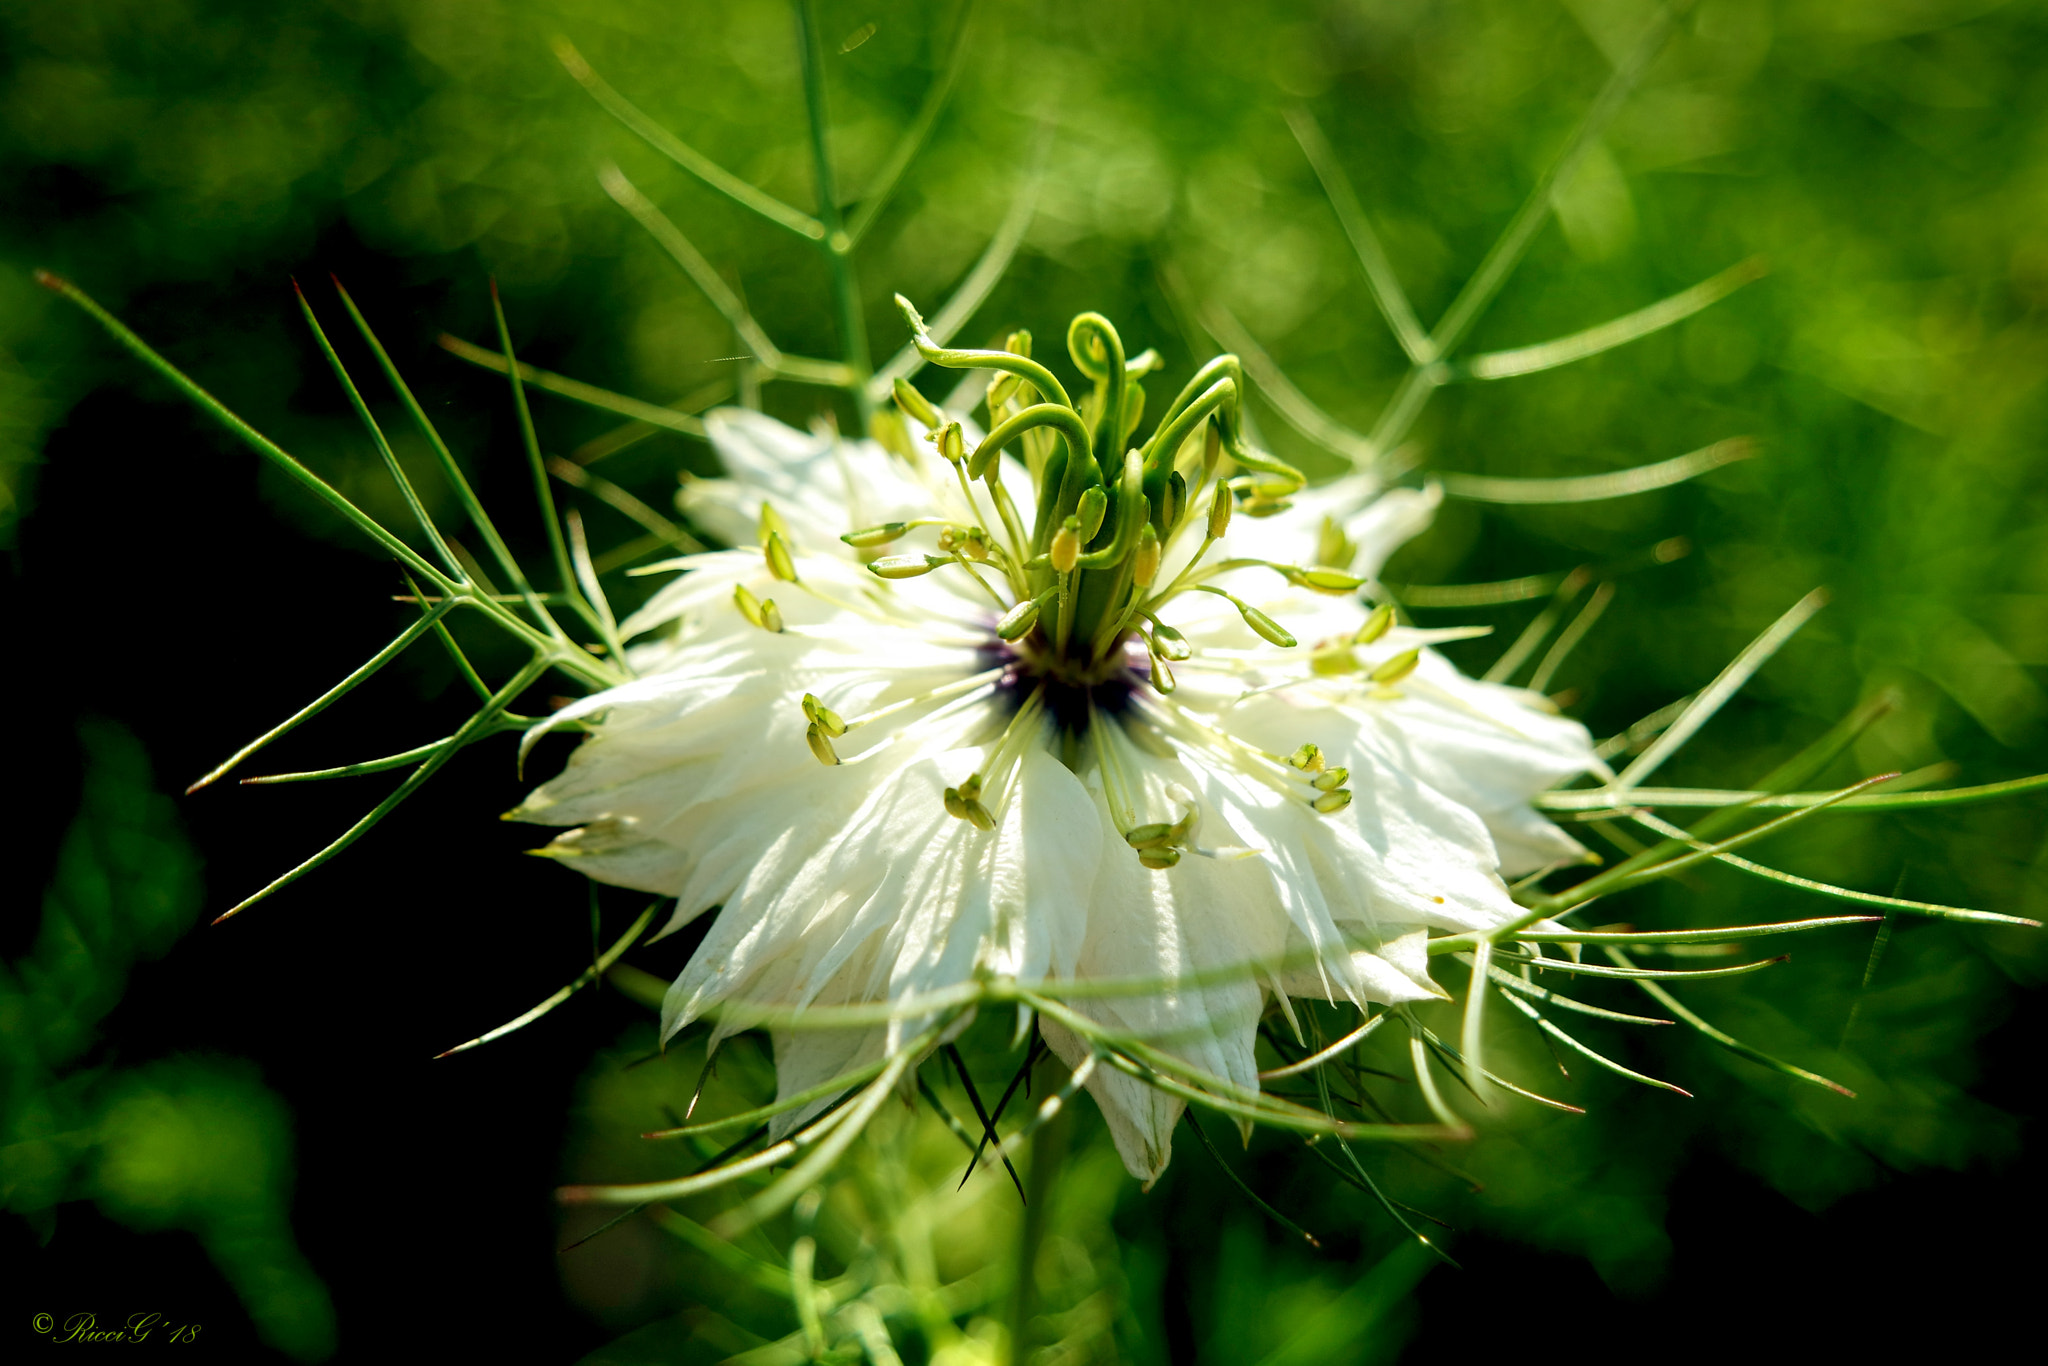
(1888, 158)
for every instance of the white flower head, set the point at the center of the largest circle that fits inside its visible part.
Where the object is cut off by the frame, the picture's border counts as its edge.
(1046, 707)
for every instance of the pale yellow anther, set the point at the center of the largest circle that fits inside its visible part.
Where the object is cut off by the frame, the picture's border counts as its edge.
(978, 816)
(956, 805)
(950, 444)
(971, 789)
(1065, 550)
(905, 566)
(1325, 580)
(1018, 620)
(771, 524)
(776, 548)
(891, 433)
(1309, 758)
(1330, 779)
(821, 744)
(868, 537)
(970, 541)
(1173, 501)
(1267, 628)
(1162, 675)
(1145, 561)
(1159, 859)
(827, 719)
(1378, 624)
(1091, 510)
(771, 617)
(1330, 803)
(1397, 668)
(1219, 513)
(749, 605)
(1171, 643)
(916, 404)
(1333, 546)
(1332, 660)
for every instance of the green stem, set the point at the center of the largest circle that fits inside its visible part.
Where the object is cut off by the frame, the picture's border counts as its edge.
(853, 332)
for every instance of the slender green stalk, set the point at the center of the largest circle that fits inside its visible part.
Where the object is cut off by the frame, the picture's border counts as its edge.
(319, 704)
(391, 465)
(1588, 488)
(680, 152)
(912, 142)
(1721, 1037)
(1244, 1188)
(1506, 252)
(452, 472)
(543, 492)
(262, 444)
(652, 414)
(1380, 279)
(853, 328)
(471, 729)
(590, 974)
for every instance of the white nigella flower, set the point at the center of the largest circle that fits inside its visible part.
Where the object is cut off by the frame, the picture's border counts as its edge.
(1031, 706)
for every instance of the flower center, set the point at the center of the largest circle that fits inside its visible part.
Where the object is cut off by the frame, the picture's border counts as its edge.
(1076, 572)
(1071, 690)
